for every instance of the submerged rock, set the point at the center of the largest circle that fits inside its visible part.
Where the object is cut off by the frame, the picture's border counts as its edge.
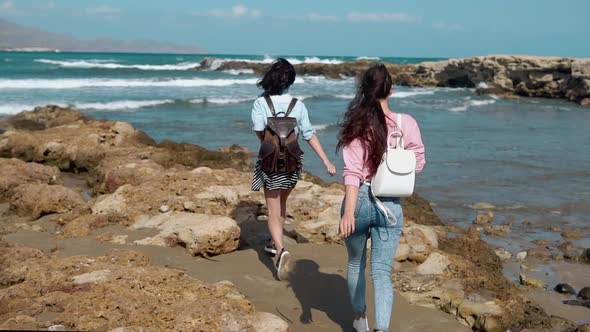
(503, 254)
(565, 289)
(584, 293)
(531, 282)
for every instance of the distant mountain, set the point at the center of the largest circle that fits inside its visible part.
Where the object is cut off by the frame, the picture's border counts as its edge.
(18, 37)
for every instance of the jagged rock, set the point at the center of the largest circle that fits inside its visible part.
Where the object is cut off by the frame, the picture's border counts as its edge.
(146, 297)
(36, 200)
(14, 172)
(503, 75)
(436, 263)
(200, 234)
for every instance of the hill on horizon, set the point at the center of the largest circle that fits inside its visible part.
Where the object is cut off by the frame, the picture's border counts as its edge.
(15, 37)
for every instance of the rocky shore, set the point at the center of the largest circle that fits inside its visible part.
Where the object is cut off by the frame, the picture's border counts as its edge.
(71, 185)
(503, 75)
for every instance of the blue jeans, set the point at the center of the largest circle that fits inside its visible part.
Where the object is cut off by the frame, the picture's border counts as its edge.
(370, 221)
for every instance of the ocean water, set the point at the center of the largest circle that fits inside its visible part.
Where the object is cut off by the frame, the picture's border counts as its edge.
(529, 157)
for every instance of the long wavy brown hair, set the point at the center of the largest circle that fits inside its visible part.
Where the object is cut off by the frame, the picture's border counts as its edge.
(364, 118)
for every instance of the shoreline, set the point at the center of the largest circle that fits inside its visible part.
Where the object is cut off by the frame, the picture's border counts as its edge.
(506, 76)
(133, 194)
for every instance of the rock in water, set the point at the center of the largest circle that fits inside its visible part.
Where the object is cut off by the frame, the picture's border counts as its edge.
(585, 257)
(503, 254)
(531, 282)
(584, 293)
(521, 255)
(564, 289)
(578, 302)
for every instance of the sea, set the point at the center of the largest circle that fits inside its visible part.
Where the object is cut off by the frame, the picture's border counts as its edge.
(528, 157)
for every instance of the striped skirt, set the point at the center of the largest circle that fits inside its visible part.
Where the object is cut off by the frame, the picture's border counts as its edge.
(274, 181)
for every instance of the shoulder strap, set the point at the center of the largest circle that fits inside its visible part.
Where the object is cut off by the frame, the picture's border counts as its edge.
(270, 105)
(400, 139)
(291, 106)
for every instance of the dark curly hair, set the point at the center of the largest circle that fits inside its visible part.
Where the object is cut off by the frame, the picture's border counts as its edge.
(277, 78)
(364, 118)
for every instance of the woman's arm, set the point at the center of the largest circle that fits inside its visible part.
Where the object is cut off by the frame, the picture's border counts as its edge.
(347, 221)
(315, 144)
(260, 135)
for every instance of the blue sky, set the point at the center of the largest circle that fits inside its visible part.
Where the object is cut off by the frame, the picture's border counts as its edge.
(416, 28)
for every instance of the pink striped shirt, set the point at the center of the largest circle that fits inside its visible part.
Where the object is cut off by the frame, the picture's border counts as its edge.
(355, 165)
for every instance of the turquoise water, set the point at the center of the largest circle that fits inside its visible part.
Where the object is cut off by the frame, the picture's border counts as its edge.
(529, 157)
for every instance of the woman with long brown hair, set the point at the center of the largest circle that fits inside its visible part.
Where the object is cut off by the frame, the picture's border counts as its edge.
(363, 138)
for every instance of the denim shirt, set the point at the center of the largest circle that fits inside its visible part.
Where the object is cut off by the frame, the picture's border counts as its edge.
(260, 113)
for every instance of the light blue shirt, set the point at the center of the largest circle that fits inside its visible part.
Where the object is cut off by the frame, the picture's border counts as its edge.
(260, 113)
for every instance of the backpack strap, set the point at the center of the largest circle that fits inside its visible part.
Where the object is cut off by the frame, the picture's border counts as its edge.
(270, 105)
(291, 106)
(400, 140)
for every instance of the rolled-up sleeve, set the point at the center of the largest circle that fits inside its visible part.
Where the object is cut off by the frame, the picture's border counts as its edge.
(353, 155)
(258, 116)
(305, 129)
(413, 141)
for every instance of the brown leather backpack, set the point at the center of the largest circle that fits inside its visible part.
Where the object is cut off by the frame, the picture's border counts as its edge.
(280, 151)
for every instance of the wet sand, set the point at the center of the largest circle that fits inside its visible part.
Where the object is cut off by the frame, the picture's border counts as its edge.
(315, 297)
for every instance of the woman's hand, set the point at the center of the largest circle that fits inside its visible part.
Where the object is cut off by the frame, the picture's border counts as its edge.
(330, 168)
(347, 225)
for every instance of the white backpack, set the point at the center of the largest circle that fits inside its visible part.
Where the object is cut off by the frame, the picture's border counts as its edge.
(395, 176)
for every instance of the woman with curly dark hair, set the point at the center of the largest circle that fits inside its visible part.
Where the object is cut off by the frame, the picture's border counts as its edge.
(363, 138)
(275, 102)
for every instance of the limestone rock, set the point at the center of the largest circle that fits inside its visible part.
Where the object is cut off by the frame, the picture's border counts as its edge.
(147, 297)
(503, 254)
(98, 276)
(434, 264)
(14, 172)
(572, 234)
(36, 200)
(484, 218)
(531, 282)
(267, 322)
(403, 252)
(200, 234)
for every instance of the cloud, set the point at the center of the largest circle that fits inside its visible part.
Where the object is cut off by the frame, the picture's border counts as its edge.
(103, 11)
(316, 17)
(237, 11)
(7, 5)
(398, 17)
(443, 26)
(106, 12)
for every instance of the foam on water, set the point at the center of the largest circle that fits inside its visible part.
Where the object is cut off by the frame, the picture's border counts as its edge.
(109, 64)
(121, 83)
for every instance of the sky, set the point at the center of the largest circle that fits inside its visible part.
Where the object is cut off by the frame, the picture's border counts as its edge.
(397, 28)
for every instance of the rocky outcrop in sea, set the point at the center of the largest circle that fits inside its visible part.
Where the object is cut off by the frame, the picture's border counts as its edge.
(502, 75)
